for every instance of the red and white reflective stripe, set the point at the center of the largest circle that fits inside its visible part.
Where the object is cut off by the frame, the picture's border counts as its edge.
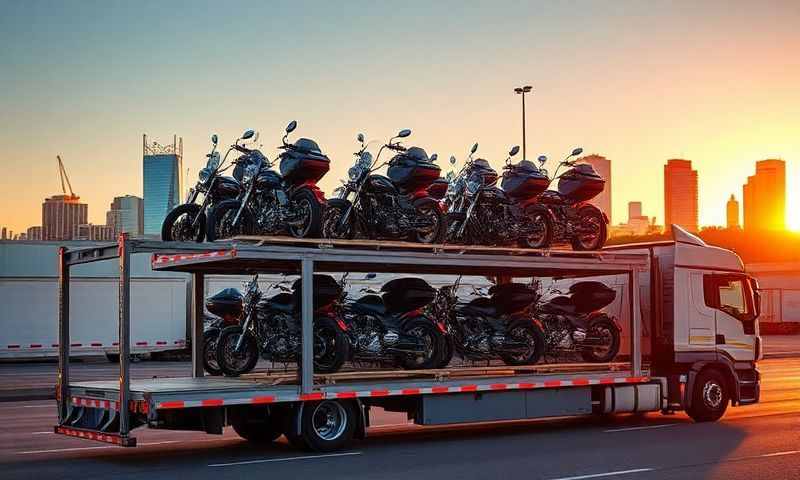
(574, 382)
(95, 403)
(90, 435)
(167, 259)
(158, 343)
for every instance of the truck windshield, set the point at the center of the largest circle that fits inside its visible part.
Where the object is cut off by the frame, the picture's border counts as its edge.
(732, 298)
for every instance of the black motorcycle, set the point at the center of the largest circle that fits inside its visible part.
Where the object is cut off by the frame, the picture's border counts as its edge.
(388, 327)
(271, 328)
(393, 207)
(226, 308)
(496, 326)
(481, 213)
(187, 221)
(570, 217)
(573, 322)
(272, 203)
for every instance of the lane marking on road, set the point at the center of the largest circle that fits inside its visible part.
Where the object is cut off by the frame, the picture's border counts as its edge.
(606, 474)
(73, 449)
(387, 425)
(774, 454)
(289, 459)
(41, 433)
(645, 427)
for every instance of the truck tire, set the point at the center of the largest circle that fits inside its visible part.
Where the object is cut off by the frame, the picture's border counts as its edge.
(256, 429)
(328, 425)
(710, 396)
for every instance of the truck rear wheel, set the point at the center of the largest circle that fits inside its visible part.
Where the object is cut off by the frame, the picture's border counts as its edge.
(710, 396)
(256, 429)
(327, 425)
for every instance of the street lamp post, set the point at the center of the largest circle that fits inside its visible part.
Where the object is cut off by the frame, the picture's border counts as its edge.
(522, 91)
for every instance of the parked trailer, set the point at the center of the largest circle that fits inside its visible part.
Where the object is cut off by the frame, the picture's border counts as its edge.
(324, 412)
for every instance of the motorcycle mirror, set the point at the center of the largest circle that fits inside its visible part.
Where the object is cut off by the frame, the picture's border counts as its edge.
(577, 151)
(360, 137)
(474, 148)
(370, 276)
(214, 139)
(514, 150)
(434, 157)
(292, 125)
(404, 133)
(248, 134)
(542, 159)
(452, 159)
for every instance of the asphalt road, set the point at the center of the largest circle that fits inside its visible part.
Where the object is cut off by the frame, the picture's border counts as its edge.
(760, 441)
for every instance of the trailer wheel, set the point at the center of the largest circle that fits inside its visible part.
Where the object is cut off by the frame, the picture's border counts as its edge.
(710, 396)
(257, 430)
(328, 425)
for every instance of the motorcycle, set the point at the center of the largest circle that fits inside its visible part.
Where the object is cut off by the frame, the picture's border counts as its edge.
(573, 322)
(226, 308)
(272, 329)
(187, 221)
(389, 327)
(272, 203)
(481, 213)
(393, 207)
(498, 326)
(571, 218)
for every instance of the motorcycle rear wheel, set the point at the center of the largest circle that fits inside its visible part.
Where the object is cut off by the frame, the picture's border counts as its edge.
(305, 200)
(234, 363)
(177, 226)
(530, 333)
(331, 346)
(437, 231)
(590, 217)
(210, 364)
(433, 342)
(607, 330)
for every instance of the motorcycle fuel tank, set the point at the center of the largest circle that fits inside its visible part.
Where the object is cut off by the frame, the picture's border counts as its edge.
(226, 187)
(268, 180)
(580, 183)
(379, 184)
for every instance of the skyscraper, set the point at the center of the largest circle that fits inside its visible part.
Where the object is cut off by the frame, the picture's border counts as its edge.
(34, 233)
(162, 166)
(60, 214)
(764, 196)
(602, 166)
(634, 210)
(680, 195)
(732, 210)
(126, 214)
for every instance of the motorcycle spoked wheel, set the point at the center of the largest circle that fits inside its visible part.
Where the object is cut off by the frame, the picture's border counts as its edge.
(177, 226)
(331, 346)
(529, 333)
(438, 229)
(608, 333)
(220, 222)
(234, 363)
(330, 221)
(433, 345)
(210, 364)
(310, 211)
(540, 222)
(591, 219)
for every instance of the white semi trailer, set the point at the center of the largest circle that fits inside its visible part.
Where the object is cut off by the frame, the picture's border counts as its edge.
(690, 319)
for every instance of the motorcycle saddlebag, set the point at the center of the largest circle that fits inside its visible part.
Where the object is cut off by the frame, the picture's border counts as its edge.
(511, 297)
(225, 302)
(326, 290)
(438, 188)
(406, 294)
(305, 163)
(412, 170)
(590, 296)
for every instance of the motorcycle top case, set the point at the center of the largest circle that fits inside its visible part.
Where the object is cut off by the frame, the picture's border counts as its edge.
(511, 297)
(524, 180)
(481, 167)
(326, 290)
(438, 188)
(590, 296)
(306, 162)
(580, 183)
(412, 170)
(225, 302)
(406, 294)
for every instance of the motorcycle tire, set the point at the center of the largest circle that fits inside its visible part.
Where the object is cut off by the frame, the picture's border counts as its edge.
(586, 215)
(311, 229)
(210, 364)
(448, 351)
(331, 346)
(231, 363)
(434, 342)
(429, 207)
(334, 210)
(192, 210)
(602, 326)
(222, 212)
(535, 336)
(544, 240)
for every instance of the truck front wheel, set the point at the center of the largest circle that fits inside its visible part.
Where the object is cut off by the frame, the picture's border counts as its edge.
(710, 396)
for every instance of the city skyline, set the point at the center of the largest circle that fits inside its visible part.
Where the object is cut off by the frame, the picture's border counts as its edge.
(638, 83)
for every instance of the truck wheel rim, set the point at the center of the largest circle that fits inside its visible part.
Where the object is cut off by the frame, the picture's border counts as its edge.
(712, 395)
(329, 420)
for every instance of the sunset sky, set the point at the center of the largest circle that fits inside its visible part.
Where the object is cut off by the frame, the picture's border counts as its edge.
(637, 81)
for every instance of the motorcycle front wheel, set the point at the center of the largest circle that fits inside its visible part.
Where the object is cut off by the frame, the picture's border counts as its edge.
(605, 334)
(232, 362)
(210, 364)
(592, 231)
(527, 332)
(220, 221)
(310, 213)
(331, 346)
(177, 226)
(432, 342)
(331, 218)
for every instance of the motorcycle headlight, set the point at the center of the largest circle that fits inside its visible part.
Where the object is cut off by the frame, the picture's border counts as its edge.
(355, 172)
(249, 172)
(473, 186)
(205, 174)
(365, 161)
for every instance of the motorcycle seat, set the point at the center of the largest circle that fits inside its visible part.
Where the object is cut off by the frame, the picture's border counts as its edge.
(479, 306)
(282, 302)
(560, 304)
(369, 305)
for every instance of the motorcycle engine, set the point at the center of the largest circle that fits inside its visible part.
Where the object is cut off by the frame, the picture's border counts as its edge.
(270, 212)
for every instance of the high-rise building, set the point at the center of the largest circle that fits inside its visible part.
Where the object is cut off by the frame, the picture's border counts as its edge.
(634, 210)
(732, 211)
(162, 166)
(34, 233)
(89, 231)
(3, 234)
(764, 196)
(126, 214)
(680, 195)
(60, 214)
(602, 166)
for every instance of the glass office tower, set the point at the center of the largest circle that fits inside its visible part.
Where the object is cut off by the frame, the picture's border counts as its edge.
(162, 166)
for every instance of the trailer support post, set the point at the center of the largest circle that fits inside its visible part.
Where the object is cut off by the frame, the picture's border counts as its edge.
(636, 323)
(63, 336)
(307, 341)
(124, 332)
(198, 294)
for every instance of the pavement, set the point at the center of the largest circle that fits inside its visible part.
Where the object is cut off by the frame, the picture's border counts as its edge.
(758, 441)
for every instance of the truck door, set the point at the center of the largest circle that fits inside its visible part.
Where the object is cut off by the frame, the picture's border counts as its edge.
(701, 317)
(731, 298)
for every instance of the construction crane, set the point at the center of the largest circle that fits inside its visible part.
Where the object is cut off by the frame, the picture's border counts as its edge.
(62, 172)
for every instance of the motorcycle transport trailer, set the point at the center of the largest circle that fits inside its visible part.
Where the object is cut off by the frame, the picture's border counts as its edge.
(324, 412)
